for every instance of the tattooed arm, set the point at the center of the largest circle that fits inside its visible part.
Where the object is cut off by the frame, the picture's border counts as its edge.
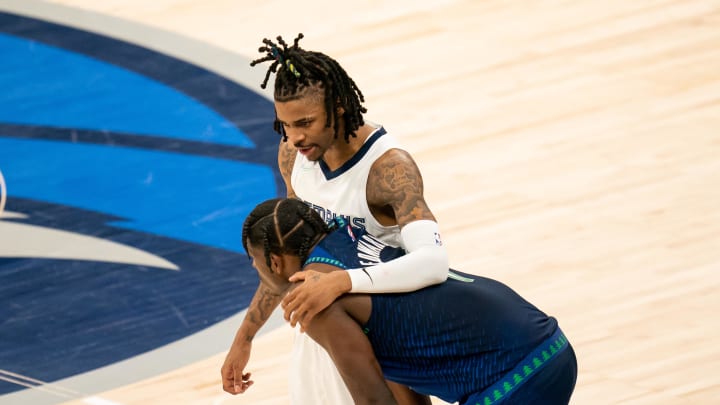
(395, 196)
(234, 380)
(395, 190)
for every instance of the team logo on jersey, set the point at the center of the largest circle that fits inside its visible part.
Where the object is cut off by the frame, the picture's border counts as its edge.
(369, 249)
(350, 232)
(126, 177)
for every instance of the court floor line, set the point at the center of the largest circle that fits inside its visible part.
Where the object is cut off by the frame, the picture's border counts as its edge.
(203, 54)
(53, 389)
(193, 348)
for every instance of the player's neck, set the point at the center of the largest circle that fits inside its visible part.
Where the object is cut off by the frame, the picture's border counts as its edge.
(341, 151)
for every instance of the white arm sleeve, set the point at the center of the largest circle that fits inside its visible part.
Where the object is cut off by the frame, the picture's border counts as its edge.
(424, 264)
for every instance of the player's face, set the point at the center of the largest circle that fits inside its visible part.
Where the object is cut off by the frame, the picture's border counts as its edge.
(270, 278)
(304, 123)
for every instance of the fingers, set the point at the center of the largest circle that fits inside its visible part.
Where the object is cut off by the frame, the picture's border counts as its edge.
(299, 276)
(300, 307)
(239, 385)
(244, 384)
(289, 304)
(294, 304)
(237, 382)
(233, 379)
(228, 383)
(297, 317)
(228, 380)
(306, 319)
(234, 385)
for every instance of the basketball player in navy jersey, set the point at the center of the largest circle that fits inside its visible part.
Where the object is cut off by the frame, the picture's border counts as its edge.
(470, 340)
(341, 166)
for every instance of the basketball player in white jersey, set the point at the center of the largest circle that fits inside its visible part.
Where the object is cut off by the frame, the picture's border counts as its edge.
(339, 165)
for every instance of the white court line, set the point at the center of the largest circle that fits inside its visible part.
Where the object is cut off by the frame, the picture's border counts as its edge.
(35, 387)
(99, 401)
(3, 193)
(50, 388)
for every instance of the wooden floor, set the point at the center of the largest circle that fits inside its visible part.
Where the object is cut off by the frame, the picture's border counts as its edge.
(569, 148)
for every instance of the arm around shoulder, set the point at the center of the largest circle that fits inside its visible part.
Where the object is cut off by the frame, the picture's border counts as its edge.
(425, 264)
(395, 182)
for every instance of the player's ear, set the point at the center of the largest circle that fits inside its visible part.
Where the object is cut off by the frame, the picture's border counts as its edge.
(276, 264)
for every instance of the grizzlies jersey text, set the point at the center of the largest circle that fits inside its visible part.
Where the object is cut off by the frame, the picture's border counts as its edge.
(329, 215)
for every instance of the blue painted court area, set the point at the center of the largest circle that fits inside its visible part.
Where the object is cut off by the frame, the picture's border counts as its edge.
(129, 174)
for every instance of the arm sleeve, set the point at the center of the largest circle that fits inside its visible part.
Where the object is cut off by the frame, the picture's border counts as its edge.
(424, 264)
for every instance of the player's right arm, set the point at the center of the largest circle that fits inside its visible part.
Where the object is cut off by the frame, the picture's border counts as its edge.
(341, 336)
(264, 302)
(395, 196)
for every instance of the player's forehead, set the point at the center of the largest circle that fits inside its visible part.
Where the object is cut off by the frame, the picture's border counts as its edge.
(300, 108)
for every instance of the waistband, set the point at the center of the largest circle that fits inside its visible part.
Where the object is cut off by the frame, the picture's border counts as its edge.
(525, 369)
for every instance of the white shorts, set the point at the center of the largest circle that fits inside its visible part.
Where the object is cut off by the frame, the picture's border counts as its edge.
(314, 379)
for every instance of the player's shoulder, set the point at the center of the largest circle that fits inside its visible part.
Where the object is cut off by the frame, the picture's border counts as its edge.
(286, 160)
(286, 153)
(392, 160)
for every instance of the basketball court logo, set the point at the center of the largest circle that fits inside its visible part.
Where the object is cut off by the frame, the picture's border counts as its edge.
(126, 176)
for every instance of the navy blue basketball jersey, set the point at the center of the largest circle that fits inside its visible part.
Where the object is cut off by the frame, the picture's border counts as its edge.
(350, 247)
(450, 340)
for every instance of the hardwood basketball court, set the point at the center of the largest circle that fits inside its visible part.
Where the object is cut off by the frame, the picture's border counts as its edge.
(570, 149)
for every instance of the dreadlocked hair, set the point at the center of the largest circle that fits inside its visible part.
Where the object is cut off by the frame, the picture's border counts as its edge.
(283, 226)
(298, 71)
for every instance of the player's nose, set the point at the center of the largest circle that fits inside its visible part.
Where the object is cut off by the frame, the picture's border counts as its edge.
(295, 136)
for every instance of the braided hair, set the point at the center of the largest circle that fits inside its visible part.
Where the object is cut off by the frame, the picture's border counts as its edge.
(299, 71)
(284, 226)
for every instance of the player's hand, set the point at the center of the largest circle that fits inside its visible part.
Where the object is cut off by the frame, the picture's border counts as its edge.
(233, 379)
(316, 293)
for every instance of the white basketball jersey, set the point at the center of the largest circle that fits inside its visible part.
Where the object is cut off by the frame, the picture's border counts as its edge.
(342, 192)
